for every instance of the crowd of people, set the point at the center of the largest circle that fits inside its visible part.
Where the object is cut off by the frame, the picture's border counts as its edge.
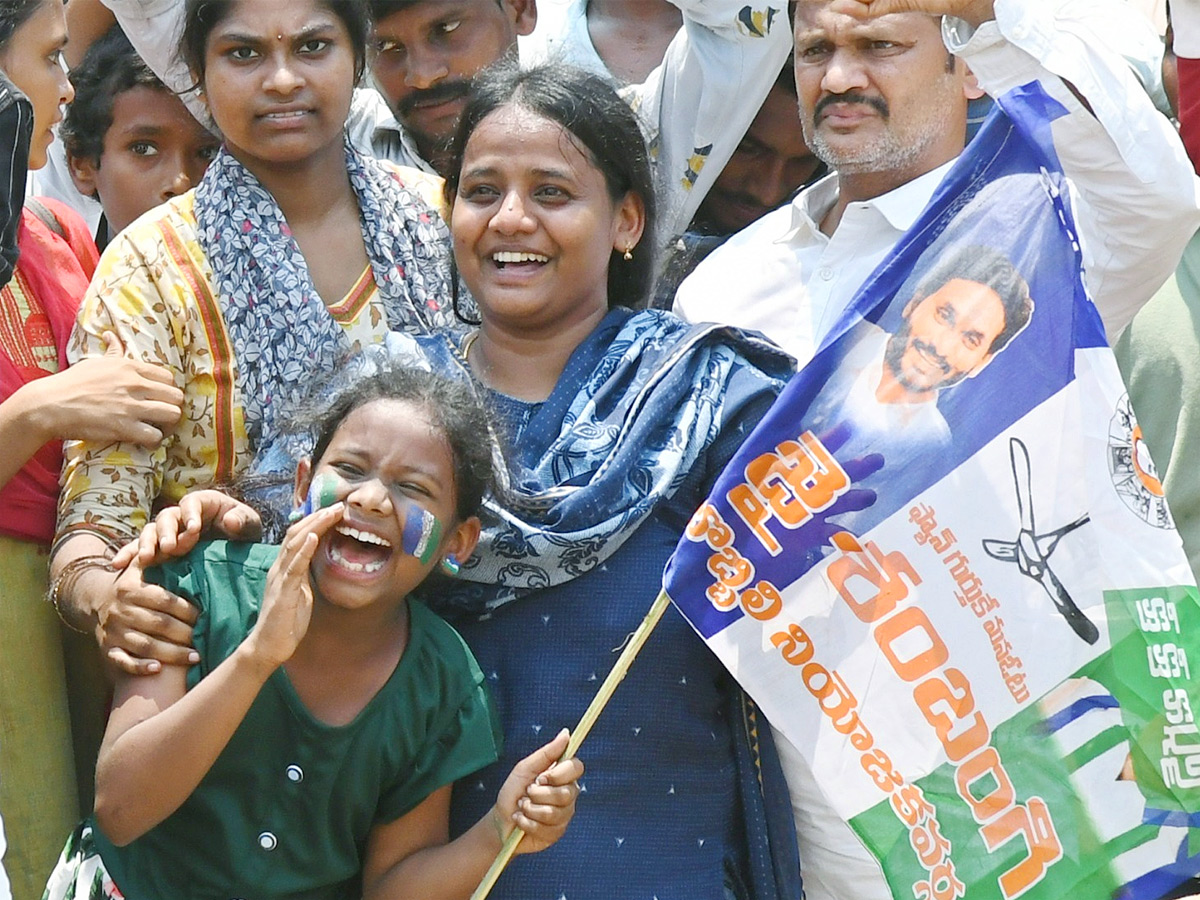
(362, 362)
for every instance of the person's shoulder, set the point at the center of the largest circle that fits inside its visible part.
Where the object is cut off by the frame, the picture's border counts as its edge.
(166, 232)
(55, 226)
(177, 216)
(442, 654)
(733, 261)
(213, 554)
(246, 554)
(672, 333)
(413, 178)
(437, 635)
(767, 229)
(67, 221)
(217, 574)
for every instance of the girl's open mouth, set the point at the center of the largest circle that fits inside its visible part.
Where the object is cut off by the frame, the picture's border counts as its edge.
(358, 551)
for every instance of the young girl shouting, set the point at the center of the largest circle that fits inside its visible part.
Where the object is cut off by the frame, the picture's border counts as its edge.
(310, 753)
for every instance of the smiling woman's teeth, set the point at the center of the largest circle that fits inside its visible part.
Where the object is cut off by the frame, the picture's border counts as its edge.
(510, 256)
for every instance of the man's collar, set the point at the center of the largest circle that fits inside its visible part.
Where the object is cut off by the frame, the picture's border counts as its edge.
(902, 205)
(393, 128)
(899, 206)
(810, 206)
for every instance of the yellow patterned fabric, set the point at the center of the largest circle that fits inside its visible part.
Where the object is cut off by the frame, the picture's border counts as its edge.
(154, 289)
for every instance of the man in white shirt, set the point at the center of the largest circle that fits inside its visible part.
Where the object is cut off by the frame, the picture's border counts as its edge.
(883, 103)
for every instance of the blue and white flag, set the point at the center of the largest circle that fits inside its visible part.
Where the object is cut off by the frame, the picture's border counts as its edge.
(944, 567)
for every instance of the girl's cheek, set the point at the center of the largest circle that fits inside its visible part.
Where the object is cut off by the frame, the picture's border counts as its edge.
(422, 534)
(324, 491)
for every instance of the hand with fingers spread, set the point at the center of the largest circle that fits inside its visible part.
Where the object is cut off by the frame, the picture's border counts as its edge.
(288, 597)
(539, 796)
(177, 529)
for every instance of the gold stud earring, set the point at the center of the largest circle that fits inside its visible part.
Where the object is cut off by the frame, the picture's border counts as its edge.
(628, 255)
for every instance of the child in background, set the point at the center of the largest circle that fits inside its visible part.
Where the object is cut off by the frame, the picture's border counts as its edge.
(130, 142)
(311, 752)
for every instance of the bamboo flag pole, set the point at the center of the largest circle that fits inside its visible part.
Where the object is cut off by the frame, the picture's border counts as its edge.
(590, 715)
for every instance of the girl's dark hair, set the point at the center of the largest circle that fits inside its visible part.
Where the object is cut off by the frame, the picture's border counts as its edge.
(202, 16)
(14, 14)
(604, 127)
(109, 68)
(452, 410)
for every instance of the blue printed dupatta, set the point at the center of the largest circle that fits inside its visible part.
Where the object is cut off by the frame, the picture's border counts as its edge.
(281, 331)
(637, 405)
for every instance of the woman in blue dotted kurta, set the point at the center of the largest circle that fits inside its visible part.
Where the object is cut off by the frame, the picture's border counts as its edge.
(613, 423)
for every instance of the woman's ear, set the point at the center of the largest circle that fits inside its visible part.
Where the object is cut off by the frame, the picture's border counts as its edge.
(629, 221)
(463, 538)
(303, 480)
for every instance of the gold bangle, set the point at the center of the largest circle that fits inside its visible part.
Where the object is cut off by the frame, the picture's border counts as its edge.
(66, 580)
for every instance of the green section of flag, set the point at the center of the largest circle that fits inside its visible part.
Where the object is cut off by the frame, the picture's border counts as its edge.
(1148, 672)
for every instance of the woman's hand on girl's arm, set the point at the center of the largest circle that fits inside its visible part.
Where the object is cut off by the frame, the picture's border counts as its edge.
(409, 859)
(177, 529)
(140, 627)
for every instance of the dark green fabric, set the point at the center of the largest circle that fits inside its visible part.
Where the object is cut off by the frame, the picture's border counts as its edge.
(429, 725)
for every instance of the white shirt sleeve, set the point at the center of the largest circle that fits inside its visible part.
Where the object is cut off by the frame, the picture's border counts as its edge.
(697, 105)
(1134, 192)
(561, 36)
(154, 28)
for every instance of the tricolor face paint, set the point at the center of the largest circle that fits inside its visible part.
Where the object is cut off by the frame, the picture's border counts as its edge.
(322, 492)
(422, 532)
(394, 474)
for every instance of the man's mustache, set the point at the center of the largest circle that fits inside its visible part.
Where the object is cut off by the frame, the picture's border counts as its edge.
(876, 103)
(441, 92)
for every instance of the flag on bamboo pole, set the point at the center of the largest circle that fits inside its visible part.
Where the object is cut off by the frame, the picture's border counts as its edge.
(944, 567)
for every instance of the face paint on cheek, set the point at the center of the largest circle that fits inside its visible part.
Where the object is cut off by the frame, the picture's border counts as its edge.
(422, 533)
(321, 493)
